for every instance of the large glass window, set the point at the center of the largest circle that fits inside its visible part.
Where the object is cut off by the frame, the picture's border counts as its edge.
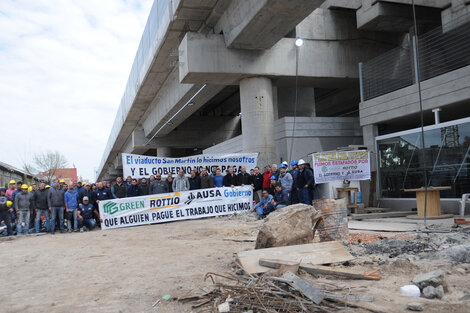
(446, 158)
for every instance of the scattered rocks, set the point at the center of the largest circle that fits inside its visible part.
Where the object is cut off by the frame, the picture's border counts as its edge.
(458, 253)
(414, 306)
(396, 247)
(430, 292)
(465, 298)
(435, 279)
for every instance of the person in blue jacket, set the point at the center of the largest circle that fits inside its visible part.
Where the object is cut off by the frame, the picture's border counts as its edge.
(134, 190)
(218, 178)
(264, 207)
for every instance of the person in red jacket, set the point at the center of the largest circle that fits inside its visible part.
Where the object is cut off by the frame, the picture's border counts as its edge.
(267, 177)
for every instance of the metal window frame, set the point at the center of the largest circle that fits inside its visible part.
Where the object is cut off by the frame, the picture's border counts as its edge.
(409, 132)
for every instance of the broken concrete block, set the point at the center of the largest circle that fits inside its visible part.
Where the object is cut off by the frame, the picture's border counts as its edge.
(430, 292)
(434, 279)
(439, 290)
(291, 225)
(414, 306)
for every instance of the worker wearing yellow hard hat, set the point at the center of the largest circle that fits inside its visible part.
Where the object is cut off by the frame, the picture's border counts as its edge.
(23, 202)
(48, 186)
(11, 189)
(30, 188)
(5, 210)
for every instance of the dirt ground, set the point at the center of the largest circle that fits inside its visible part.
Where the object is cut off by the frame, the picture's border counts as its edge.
(129, 269)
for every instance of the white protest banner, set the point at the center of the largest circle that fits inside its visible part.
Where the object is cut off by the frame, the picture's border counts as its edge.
(138, 166)
(175, 206)
(341, 165)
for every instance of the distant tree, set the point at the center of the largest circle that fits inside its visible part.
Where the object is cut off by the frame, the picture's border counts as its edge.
(47, 163)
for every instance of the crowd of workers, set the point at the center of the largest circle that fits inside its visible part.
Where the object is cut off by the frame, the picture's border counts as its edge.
(75, 206)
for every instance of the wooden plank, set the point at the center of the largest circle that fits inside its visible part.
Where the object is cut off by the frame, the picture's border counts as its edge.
(382, 226)
(322, 270)
(313, 253)
(381, 215)
(305, 288)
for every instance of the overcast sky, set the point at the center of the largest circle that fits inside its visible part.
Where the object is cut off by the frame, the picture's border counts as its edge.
(64, 65)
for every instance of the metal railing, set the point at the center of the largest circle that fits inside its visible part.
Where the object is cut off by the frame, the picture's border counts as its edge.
(441, 50)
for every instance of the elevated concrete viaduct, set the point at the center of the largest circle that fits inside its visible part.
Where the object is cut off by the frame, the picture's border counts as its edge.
(220, 75)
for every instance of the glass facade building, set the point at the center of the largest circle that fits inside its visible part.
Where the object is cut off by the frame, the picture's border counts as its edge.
(446, 160)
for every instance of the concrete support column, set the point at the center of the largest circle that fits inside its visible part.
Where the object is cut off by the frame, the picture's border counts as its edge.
(369, 188)
(369, 132)
(163, 151)
(256, 102)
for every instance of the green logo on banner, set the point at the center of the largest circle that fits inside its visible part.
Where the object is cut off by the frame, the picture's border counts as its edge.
(110, 208)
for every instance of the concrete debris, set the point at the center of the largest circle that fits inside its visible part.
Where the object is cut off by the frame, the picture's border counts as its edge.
(291, 225)
(430, 292)
(414, 306)
(224, 307)
(435, 279)
(395, 247)
(410, 290)
(459, 253)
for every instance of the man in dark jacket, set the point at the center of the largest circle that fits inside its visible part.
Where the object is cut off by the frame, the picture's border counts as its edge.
(230, 179)
(206, 179)
(56, 203)
(144, 187)
(158, 186)
(305, 182)
(102, 193)
(169, 181)
(134, 190)
(294, 172)
(41, 207)
(281, 197)
(257, 184)
(194, 181)
(5, 210)
(243, 178)
(87, 192)
(119, 189)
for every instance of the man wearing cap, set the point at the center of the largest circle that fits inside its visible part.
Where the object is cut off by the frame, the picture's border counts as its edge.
(41, 207)
(5, 210)
(86, 214)
(305, 182)
(61, 182)
(9, 192)
(294, 172)
(285, 179)
(71, 205)
(23, 204)
(56, 202)
(87, 192)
